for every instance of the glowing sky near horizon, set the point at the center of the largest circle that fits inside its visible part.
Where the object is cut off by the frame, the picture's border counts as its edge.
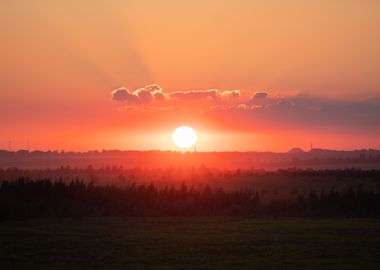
(316, 61)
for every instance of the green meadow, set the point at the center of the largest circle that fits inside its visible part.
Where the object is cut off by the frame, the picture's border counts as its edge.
(190, 243)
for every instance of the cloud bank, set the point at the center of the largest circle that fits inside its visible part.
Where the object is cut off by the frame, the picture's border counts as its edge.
(261, 109)
(153, 92)
(306, 112)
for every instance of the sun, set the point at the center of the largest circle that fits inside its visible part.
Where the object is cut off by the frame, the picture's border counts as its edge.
(184, 137)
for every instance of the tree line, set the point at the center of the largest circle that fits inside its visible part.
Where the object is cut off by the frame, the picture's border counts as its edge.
(25, 198)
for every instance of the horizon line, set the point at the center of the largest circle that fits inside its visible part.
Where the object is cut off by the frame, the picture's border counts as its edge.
(295, 150)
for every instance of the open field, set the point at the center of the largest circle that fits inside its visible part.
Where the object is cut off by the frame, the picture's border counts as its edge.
(190, 243)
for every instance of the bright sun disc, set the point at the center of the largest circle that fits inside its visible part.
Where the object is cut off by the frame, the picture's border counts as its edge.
(184, 137)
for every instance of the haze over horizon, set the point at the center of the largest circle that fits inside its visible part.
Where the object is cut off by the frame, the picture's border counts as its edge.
(189, 150)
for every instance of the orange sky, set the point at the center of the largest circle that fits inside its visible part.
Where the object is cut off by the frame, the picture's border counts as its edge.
(317, 60)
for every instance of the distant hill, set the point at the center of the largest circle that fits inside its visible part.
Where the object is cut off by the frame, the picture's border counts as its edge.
(296, 151)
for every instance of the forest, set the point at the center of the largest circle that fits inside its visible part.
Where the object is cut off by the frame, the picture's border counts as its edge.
(25, 197)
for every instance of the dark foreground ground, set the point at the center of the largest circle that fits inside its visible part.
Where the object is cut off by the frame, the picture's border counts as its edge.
(190, 243)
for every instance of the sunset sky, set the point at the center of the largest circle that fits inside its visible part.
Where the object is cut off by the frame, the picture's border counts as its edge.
(245, 74)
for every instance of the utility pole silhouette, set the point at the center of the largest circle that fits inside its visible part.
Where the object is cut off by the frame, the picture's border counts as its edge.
(10, 145)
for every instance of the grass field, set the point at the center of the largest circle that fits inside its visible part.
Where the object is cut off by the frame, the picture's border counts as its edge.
(190, 243)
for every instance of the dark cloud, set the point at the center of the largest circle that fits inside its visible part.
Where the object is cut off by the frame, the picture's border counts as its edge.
(149, 93)
(261, 99)
(123, 94)
(140, 96)
(259, 95)
(307, 111)
(144, 96)
(158, 96)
